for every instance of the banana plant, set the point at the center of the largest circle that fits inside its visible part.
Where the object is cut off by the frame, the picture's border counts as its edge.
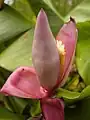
(71, 90)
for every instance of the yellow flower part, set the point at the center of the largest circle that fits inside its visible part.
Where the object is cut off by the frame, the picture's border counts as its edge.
(61, 50)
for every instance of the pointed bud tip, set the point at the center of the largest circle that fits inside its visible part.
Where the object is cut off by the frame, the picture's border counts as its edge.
(41, 13)
(72, 19)
(42, 10)
(42, 17)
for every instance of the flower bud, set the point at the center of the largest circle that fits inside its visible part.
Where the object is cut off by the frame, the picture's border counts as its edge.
(44, 52)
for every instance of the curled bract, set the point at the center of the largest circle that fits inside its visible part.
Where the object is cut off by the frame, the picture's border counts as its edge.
(67, 38)
(23, 82)
(53, 109)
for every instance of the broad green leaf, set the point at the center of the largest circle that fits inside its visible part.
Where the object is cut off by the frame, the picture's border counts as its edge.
(83, 52)
(15, 104)
(79, 9)
(54, 20)
(18, 53)
(11, 23)
(35, 108)
(3, 76)
(79, 111)
(8, 115)
(71, 96)
(85, 92)
(24, 8)
(67, 94)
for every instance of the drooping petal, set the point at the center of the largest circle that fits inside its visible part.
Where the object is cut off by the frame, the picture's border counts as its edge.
(53, 109)
(67, 37)
(23, 82)
(44, 53)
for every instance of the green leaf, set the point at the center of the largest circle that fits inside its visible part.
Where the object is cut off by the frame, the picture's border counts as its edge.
(15, 104)
(35, 108)
(11, 23)
(83, 52)
(3, 75)
(59, 11)
(7, 115)
(67, 94)
(24, 8)
(71, 96)
(54, 20)
(79, 9)
(18, 53)
(85, 92)
(79, 111)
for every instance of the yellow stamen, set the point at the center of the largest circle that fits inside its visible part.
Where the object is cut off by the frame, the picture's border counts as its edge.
(61, 50)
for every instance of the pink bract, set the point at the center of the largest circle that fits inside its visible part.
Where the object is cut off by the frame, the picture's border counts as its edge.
(53, 109)
(68, 36)
(44, 53)
(24, 83)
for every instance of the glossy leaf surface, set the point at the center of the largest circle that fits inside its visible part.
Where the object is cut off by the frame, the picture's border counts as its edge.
(82, 52)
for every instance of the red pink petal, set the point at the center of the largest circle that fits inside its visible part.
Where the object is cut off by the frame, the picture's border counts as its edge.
(68, 36)
(53, 109)
(23, 82)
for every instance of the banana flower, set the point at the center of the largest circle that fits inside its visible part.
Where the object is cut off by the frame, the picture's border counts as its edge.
(52, 61)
